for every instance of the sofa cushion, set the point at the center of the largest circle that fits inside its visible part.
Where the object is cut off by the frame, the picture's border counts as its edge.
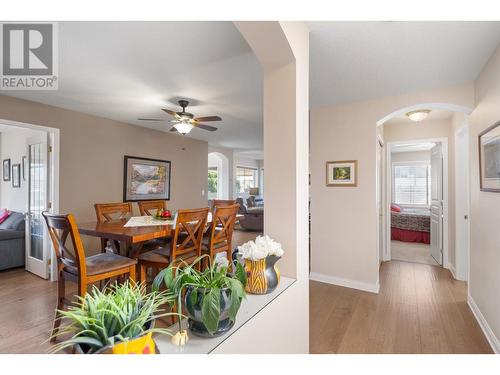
(9, 234)
(15, 221)
(4, 214)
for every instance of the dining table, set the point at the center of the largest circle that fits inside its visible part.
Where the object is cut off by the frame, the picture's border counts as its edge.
(126, 241)
(129, 240)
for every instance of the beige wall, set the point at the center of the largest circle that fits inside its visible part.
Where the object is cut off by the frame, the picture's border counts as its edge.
(398, 157)
(91, 157)
(484, 278)
(344, 230)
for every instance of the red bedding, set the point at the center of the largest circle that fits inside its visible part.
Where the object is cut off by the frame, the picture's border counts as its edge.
(410, 235)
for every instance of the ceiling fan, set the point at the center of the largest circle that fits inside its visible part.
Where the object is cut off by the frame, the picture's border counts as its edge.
(184, 122)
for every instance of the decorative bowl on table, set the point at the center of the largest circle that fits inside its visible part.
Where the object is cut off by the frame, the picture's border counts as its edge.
(164, 215)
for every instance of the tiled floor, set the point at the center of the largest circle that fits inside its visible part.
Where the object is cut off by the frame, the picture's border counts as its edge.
(412, 252)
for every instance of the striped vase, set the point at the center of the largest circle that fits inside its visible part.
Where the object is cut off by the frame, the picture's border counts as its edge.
(262, 275)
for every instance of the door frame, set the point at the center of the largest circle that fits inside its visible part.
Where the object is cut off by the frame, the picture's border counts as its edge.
(388, 195)
(459, 269)
(53, 177)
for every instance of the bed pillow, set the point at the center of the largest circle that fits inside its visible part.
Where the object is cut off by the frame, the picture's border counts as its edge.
(395, 207)
(4, 214)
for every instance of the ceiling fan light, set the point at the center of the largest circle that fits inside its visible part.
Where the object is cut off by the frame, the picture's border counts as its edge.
(418, 115)
(183, 127)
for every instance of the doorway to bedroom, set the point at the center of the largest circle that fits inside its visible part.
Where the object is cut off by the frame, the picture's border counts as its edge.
(417, 199)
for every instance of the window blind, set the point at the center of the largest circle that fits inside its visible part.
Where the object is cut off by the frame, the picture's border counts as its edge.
(412, 184)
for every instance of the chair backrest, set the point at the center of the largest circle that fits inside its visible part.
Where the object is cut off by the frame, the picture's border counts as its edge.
(223, 202)
(188, 233)
(150, 208)
(112, 211)
(223, 220)
(59, 227)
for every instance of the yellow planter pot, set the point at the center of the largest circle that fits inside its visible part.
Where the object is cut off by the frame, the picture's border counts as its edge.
(262, 275)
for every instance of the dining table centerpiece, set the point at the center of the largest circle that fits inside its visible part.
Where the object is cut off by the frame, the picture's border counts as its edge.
(260, 257)
(210, 297)
(118, 320)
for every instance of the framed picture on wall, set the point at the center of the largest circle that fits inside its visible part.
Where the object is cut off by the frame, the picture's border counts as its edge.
(342, 173)
(489, 159)
(6, 169)
(146, 179)
(16, 175)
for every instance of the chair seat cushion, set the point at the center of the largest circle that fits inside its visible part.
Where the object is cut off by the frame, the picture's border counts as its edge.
(160, 255)
(102, 263)
(206, 241)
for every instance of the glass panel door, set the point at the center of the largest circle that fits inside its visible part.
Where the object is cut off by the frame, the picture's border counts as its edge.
(36, 236)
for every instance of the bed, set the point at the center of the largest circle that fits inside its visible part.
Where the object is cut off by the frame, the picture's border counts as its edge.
(411, 225)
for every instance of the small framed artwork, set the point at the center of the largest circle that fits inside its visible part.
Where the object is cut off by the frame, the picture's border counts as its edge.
(6, 169)
(16, 175)
(342, 173)
(146, 179)
(24, 168)
(489, 159)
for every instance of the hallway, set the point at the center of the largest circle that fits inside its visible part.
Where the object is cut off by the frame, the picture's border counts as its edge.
(420, 309)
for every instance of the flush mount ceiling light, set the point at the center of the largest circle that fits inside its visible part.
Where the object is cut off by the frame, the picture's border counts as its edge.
(418, 115)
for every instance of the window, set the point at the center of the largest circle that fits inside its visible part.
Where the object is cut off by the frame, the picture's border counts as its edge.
(411, 184)
(246, 178)
(213, 177)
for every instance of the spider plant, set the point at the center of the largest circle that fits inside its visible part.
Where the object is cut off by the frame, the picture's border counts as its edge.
(119, 313)
(181, 277)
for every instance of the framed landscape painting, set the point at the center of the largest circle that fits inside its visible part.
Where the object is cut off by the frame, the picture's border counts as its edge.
(146, 179)
(342, 173)
(489, 159)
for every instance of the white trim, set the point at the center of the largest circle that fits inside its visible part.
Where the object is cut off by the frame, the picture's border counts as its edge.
(354, 284)
(453, 271)
(388, 197)
(54, 141)
(488, 332)
(462, 270)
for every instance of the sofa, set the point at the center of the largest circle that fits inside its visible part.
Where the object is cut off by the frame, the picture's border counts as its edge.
(252, 217)
(12, 241)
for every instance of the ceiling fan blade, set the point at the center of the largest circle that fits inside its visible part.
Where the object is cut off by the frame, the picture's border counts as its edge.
(171, 113)
(205, 127)
(150, 119)
(208, 118)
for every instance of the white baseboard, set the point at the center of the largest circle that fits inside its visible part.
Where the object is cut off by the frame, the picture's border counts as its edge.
(488, 332)
(354, 284)
(453, 271)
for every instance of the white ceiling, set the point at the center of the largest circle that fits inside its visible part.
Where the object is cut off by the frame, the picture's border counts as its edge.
(434, 115)
(127, 70)
(353, 61)
(413, 147)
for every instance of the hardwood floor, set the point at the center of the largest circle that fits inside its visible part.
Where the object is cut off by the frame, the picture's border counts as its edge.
(27, 305)
(420, 309)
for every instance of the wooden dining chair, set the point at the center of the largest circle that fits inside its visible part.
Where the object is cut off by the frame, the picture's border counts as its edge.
(218, 238)
(186, 242)
(150, 208)
(109, 212)
(223, 202)
(75, 266)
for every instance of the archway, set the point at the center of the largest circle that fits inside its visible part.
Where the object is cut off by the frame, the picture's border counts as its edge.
(454, 257)
(218, 176)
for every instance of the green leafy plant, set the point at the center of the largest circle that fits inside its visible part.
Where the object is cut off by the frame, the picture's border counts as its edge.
(121, 312)
(180, 276)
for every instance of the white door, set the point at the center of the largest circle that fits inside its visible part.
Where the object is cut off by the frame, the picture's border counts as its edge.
(380, 203)
(37, 247)
(462, 202)
(437, 203)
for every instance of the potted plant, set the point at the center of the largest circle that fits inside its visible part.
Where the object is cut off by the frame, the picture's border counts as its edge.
(118, 320)
(260, 257)
(211, 298)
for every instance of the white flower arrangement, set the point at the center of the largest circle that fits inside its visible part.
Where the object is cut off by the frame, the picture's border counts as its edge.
(262, 247)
